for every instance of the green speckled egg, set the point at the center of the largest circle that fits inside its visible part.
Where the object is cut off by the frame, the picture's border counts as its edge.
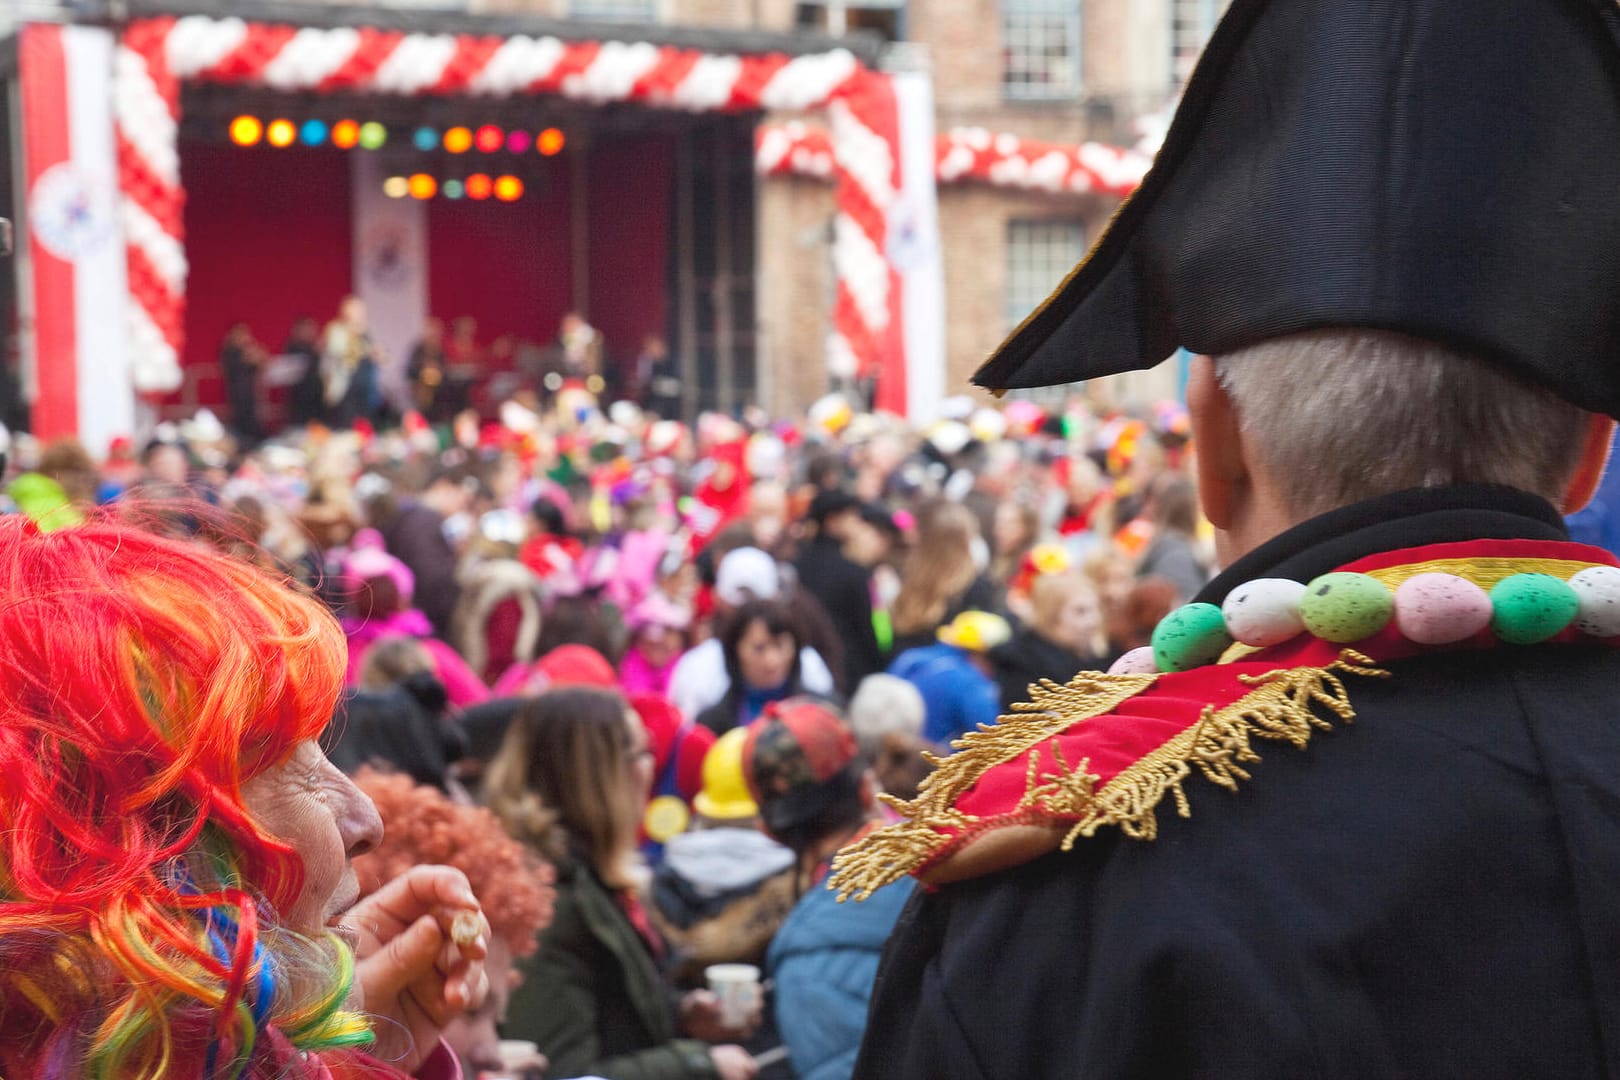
(1343, 607)
(1190, 637)
(1527, 608)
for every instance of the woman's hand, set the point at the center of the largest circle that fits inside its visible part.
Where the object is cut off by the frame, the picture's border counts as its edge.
(414, 978)
(733, 1063)
(701, 1019)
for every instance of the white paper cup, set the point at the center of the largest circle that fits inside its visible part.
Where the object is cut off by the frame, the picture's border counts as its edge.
(737, 987)
(519, 1059)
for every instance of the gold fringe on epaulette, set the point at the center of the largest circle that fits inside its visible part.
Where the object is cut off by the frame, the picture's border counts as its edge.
(889, 854)
(1281, 707)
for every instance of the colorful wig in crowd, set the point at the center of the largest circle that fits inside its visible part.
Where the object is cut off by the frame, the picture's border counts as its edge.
(143, 681)
(422, 826)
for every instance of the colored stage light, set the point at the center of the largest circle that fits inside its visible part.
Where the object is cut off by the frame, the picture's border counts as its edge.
(345, 134)
(458, 140)
(489, 138)
(453, 189)
(518, 141)
(313, 133)
(396, 187)
(246, 131)
(551, 141)
(373, 135)
(479, 186)
(425, 139)
(280, 133)
(508, 189)
(423, 186)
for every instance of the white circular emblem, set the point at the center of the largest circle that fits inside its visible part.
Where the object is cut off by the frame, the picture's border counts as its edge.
(911, 243)
(383, 259)
(72, 215)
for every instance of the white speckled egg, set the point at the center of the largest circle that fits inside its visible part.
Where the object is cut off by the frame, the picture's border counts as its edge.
(1439, 609)
(1264, 611)
(1599, 590)
(1136, 662)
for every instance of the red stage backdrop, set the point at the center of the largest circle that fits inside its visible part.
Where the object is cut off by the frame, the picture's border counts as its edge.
(505, 264)
(269, 239)
(267, 234)
(630, 189)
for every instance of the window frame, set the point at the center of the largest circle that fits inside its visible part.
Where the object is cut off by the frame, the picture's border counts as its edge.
(1022, 294)
(1205, 14)
(1070, 11)
(647, 11)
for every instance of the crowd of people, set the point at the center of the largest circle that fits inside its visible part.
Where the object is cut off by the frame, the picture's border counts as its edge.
(677, 665)
(549, 744)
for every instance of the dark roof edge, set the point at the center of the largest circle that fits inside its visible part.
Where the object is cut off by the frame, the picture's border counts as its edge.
(864, 45)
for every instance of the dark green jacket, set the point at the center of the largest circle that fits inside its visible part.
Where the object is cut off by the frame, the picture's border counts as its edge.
(592, 998)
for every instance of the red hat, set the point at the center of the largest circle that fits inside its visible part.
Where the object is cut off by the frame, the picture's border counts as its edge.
(575, 665)
(799, 759)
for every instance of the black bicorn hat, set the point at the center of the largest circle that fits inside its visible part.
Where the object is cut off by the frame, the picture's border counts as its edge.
(1448, 169)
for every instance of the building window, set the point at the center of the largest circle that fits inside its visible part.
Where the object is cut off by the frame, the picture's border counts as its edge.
(1191, 23)
(1040, 254)
(1040, 48)
(643, 11)
(885, 18)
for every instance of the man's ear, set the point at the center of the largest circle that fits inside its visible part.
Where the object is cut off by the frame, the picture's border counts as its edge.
(1594, 456)
(1218, 439)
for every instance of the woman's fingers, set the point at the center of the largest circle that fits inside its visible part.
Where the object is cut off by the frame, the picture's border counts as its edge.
(415, 893)
(442, 998)
(401, 961)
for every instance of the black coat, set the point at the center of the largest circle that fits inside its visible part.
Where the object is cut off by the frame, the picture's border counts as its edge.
(1028, 658)
(1427, 892)
(844, 589)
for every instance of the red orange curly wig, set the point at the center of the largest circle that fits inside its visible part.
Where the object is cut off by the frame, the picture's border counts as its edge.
(421, 825)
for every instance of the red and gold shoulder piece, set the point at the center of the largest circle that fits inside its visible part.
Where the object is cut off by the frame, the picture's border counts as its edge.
(1102, 750)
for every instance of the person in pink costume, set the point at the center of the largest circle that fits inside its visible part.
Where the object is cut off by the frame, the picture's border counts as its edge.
(657, 628)
(378, 589)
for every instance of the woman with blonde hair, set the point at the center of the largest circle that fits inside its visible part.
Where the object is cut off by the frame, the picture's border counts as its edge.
(941, 577)
(1065, 635)
(571, 780)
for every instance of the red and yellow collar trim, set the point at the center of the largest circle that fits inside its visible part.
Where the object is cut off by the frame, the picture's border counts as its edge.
(1106, 749)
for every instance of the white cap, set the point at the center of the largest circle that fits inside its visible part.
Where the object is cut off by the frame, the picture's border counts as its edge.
(747, 574)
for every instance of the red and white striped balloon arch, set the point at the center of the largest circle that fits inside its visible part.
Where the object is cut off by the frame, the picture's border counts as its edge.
(156, 56)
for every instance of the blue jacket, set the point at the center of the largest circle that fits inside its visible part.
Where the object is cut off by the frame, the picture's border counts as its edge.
(823, 962)
(958, 695)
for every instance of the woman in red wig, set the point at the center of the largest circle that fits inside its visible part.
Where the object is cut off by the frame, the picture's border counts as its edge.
(176, 896)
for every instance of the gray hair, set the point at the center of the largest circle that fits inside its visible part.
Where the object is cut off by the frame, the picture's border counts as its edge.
(885, 705)
(1337, 416)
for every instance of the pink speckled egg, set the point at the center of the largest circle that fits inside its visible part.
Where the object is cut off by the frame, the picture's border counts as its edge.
(1439, 609)
(1136, 662)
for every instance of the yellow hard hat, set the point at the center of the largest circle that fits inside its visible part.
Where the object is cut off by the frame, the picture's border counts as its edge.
(725, 790)
(975, 631)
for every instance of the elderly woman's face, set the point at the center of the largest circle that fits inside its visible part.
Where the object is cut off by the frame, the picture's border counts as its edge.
(308, 804)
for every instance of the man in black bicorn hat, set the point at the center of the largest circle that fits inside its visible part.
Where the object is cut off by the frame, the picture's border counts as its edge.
(1356, 812)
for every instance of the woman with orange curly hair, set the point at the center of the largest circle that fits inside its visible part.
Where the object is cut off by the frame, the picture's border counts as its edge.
(175, 879)
(422, 826)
